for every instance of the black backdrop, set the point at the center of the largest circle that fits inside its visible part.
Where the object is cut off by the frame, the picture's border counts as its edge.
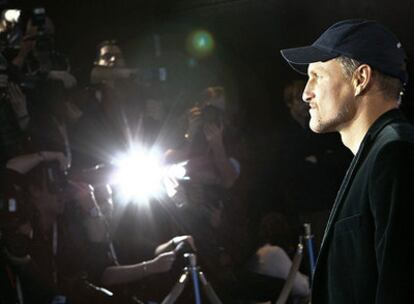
(248, 34)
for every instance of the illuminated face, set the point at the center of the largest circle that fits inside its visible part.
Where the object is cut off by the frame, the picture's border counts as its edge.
(111, 56)
(330, 96)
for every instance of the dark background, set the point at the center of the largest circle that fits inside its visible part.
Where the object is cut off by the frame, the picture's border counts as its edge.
(248, 35)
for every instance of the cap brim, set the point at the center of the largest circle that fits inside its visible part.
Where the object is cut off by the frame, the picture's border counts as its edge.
(299, 58)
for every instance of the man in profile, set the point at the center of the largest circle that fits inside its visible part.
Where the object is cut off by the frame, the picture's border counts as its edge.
(356, 72)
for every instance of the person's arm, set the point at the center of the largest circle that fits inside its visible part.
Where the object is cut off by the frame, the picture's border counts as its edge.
(226, 169)
(115, 275)
(173, 156)
(102, 73)
(391, 195)
(19, 105)
(24, 163)
(68, 80)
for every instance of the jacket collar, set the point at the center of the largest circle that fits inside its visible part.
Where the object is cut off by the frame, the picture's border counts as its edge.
(385, 119)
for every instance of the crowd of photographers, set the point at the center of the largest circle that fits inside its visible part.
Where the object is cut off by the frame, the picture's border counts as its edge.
(58, 240)
(64, 235)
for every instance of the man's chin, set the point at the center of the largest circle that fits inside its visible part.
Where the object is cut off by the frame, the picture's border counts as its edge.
(317, 128)
(314, 127)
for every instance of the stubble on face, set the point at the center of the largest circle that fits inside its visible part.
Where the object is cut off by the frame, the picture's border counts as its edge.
(330, 106)
(319, 124)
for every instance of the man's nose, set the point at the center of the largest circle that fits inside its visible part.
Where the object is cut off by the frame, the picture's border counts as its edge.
(307, 94)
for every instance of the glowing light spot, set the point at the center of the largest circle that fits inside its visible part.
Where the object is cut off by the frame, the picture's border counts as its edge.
(12, 15)
(200, 43)
(140, 176)
(192, 63)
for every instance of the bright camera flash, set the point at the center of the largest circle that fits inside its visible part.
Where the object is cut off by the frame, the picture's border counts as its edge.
(139, 175)
(12, 15)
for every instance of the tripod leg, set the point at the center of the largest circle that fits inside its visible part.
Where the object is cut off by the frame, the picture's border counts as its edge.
(208, 289)
(177, 290)
(195, 285)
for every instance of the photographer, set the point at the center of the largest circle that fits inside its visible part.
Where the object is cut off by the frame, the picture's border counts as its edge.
(37, 52)
(61, 254)
(114, 106)
(211, 173)
(205, 146)
(16, 229)
(65, 224)
(110, 65)
(10, 30)
(37, 61)
(15, 234)
(14, 116)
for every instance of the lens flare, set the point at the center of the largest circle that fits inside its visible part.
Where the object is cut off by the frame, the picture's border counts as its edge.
(200, 43)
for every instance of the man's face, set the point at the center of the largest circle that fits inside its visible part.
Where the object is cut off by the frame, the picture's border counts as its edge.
(330, 96)
(111, 56)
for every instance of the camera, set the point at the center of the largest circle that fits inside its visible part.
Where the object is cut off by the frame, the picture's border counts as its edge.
(44, 32)
(39, 19)
(211, 115)
(10, 29)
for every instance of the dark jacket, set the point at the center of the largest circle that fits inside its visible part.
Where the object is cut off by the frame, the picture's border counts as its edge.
(364, 257)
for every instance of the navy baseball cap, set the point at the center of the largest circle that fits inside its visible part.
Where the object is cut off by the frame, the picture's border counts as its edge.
(366, 41)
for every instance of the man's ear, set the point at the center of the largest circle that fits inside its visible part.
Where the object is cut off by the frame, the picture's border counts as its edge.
(362, 79)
